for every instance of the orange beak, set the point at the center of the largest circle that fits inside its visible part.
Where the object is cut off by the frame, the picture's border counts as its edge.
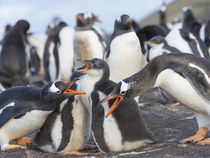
(68, 90)
(78, 17)
(114, 106)
(148, 43)
(97, 20)
(128, 21)
(88, 66)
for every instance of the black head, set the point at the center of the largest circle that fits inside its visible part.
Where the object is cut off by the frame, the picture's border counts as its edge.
(22, 25)
(86, 19)
(157, 40)
(58, 91)
(123, 23)
(95, 67)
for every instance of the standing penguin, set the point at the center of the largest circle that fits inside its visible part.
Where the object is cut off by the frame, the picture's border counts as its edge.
(24, 110)
(184, 76)
(159, 46)
(58, 54)
(66, 130)
(13, 62)
(124, 130)
(124, 47)
(88, 41)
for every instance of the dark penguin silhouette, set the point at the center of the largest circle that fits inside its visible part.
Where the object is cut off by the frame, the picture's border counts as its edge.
(13, 62)
(124, 130)
(184, 76)
(24, 110)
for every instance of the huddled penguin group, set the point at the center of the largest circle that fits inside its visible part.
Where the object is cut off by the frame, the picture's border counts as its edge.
(69, 85)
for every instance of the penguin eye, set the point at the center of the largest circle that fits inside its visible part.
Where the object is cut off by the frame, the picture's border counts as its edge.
(58, 92)
(123, 92)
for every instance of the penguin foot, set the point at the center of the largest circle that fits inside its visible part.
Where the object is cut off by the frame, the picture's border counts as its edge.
(98, 153)
(77, 153)
(23, 140)
(197, 137)
(90, 146)
(13, 146)
(174, 104)
(204, 142)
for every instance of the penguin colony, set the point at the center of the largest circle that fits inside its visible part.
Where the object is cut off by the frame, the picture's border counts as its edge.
(104, 79)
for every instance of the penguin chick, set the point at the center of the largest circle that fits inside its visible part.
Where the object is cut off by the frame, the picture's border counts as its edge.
(125, 129)
(184, 76)
(23, 110)
(65, 130)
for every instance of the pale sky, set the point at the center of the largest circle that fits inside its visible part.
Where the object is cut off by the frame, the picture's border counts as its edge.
(40, 12)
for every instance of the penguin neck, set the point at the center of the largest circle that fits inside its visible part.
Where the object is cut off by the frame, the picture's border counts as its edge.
(84, 27)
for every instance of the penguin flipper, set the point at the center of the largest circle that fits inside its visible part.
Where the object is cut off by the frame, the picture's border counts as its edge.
(196, 78)
(106, 52)
(9, 113)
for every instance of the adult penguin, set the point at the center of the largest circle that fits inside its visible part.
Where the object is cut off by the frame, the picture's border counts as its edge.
(51, 54)
(184, 76)
(23, 110)
(88, 41)
(13, 62)
(124, 47)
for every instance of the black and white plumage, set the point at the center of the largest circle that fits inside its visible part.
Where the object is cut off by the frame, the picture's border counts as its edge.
(88, 41)
(124, 47)
(58, 54)
(159, 46)
(124, 130)
(205, 34)
(65, 131)
(24, 110)
(13, 62)
(185, 77)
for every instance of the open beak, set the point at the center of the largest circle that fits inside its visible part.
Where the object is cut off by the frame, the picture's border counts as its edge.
(148, 43)
(116, 103)
(68, 90)
(87, 66)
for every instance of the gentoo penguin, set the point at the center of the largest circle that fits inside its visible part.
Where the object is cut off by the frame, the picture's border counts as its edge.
(13, 62)
(124, 130)
(124, 47)
(23, 110)
(205, 34)
(66, 130)
(163, 17)
(159, 46)
(58, 54)
(186, 42)
(88, 40)
(192, 26)
(36, 47)
(184, 76)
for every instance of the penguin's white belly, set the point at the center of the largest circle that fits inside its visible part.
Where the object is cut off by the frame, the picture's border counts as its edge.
(66, 53)
(181, 89)
(81, 129)
(27, 124)
(87, 45)
(174, 39)
(112, 134)
(125, 57)
(52, 66)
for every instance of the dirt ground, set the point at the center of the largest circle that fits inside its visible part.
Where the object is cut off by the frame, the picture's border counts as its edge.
(168, 124)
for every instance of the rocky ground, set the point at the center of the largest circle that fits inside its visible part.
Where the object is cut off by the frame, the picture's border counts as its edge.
(168, 124)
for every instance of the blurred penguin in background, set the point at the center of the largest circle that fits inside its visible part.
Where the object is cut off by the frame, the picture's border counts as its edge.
(88, 41)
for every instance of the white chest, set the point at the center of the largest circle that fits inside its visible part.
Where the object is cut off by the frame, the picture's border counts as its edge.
(181, 89)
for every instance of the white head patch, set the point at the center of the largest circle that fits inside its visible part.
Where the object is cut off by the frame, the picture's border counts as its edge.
(53, 88)
(124, 86)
